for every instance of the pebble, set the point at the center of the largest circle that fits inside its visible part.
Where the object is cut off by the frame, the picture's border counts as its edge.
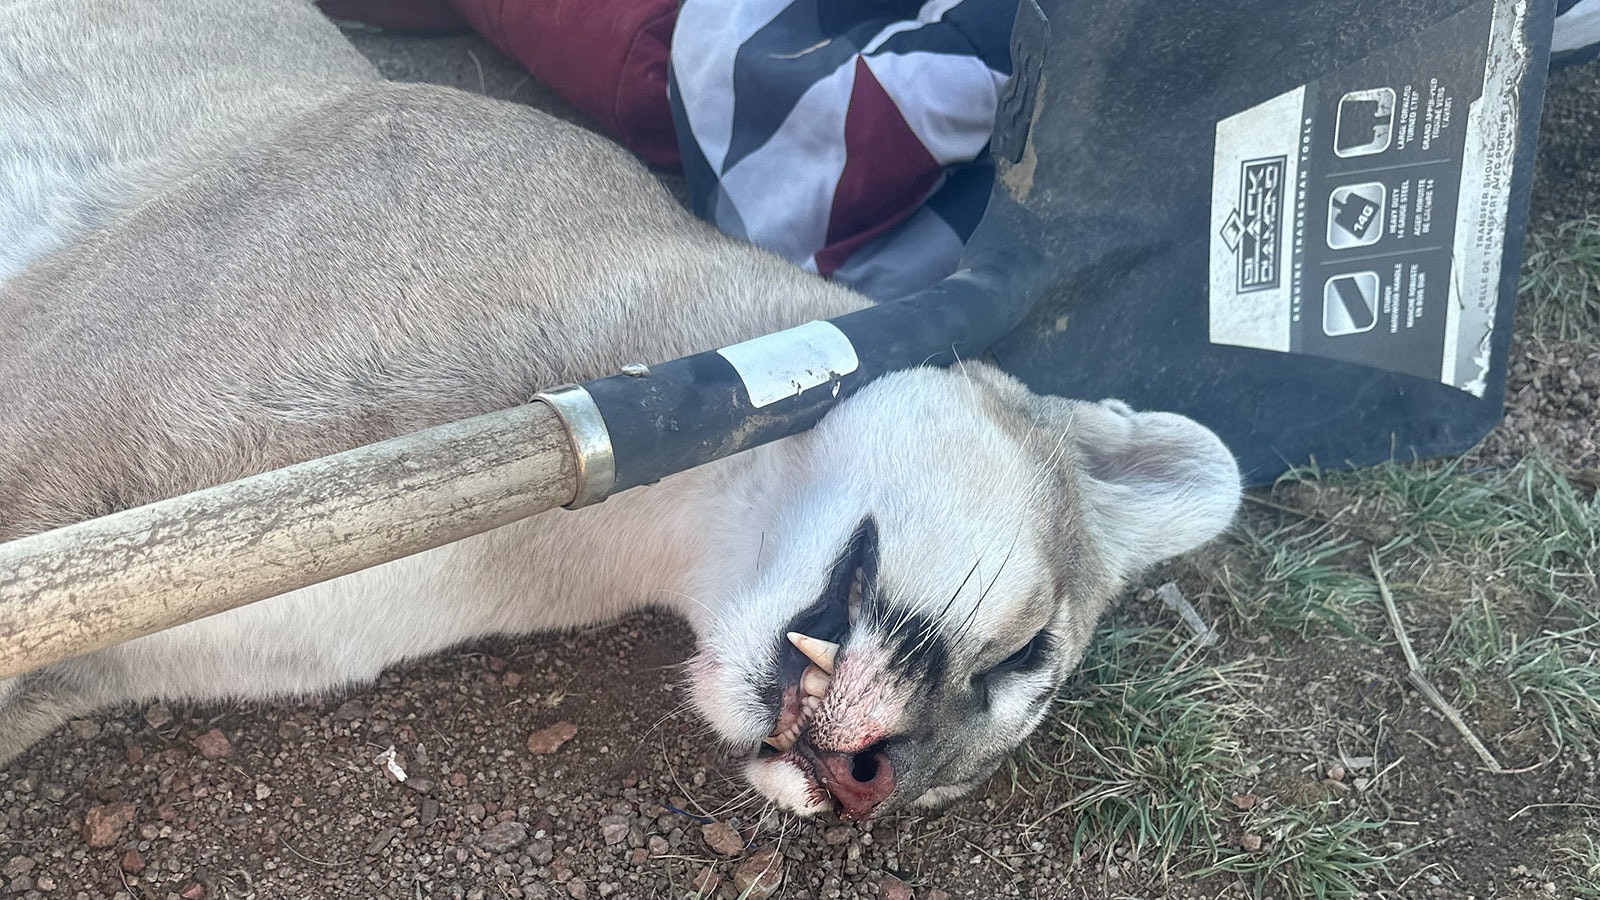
(382, 840)
(194, 891)
(614, 829)
(759, 876)
(132, 862)
(541, 852)
(1249, 843)
(213, 744)
(19, 865)
(578, 889)
(723, 838)
(892, 888)
(429, 812)
(705, 882)
(549, 740)
(84, 729)
(157, 716)
(658, 845)
(837, 835)
(103, 823)
(503, 837)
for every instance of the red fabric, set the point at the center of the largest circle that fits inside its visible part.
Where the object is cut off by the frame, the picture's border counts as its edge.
(882, 184)
(606, 57)
(405, 15)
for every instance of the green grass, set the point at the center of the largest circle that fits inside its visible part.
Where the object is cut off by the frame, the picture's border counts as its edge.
(1581, 862)
(1307, 852)
(1299, 583)
(1521, 546)
(1559, 295)
(1147, 736)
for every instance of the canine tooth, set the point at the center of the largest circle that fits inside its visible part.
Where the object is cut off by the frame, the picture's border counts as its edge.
(815, 649)
(814, 682)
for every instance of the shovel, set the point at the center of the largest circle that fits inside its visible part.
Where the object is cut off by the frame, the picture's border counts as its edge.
(1153, 235)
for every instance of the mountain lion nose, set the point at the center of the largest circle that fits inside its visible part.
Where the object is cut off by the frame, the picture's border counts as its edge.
(859, 781)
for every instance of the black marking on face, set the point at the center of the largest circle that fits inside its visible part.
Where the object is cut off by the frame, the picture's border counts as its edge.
(917, 647)
(829, 617)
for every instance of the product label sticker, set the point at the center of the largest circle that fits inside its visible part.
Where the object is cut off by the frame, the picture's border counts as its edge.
(781, 365)
(1362, 217)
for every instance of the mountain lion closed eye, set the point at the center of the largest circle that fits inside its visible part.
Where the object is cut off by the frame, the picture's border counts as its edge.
(229, 246)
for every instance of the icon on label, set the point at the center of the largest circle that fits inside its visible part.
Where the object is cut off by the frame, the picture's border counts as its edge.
(1365, 123)
(1350, 303)
(1355, 215)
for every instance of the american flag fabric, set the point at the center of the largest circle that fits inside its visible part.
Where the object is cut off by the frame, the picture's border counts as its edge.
(847, 135)
(1577, 36)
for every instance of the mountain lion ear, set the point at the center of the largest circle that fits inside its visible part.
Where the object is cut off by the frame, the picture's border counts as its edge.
(1156, 484)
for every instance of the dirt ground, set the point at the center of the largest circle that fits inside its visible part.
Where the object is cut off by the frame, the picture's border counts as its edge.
(294, 799)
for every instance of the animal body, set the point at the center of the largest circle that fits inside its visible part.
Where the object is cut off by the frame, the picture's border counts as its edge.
(228, 245)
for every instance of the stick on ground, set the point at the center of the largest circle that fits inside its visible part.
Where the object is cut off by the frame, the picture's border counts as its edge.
(1419, 680)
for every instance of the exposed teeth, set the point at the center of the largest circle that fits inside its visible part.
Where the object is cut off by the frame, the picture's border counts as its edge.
(814, 682)
(818, 651)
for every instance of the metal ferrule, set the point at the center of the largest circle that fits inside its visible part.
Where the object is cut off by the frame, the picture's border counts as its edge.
(591, 442)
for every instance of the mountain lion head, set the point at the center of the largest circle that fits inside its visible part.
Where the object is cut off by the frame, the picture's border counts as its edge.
(924, 578)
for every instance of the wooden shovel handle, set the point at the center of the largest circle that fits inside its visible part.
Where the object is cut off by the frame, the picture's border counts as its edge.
(103, 581)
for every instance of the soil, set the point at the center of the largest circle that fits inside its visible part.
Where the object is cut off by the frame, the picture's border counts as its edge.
(295, 799)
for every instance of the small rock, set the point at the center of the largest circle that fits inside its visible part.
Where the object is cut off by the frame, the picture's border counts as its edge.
(705, 882)
(429, 812)
(937, 894)
(837, 835)
(511, 679)
(1249, 843)
(1244, 802)
(458, 779)
(614, 829)
(21, 884)
(262, 791)
(19, 865)
(549, 740)
(132, 862)
(350, 711)
(1336, 772)
(503, 837)
(892, 888)
(213, 744)
(157, 716)
(195, 891)
(84, 729)
(578, 889)
(541, 852)
(44, 883)
(658, 845)
(381, 840)
(759, 876)
(103, 824)
(135, 753)
(421, 785)
(723, 838)
(290, 732)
